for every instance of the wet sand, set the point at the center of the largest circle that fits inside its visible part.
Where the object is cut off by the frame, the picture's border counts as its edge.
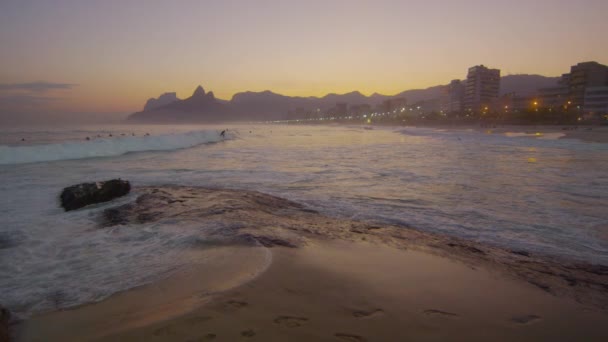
(595, 134)
(333, 280)
(184, 291)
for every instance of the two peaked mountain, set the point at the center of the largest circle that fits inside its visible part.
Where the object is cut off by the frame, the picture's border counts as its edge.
(200, 107)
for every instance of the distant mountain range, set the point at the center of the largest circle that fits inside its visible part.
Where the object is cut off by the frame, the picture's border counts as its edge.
(525, 84)
(266, 105)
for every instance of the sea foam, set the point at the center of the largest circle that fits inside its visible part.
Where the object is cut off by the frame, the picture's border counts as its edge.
(104, 147)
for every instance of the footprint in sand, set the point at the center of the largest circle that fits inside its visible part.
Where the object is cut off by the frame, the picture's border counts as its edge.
(290, 321)
(164, 331)
(207, 337)
(235, 304)
(248, 333)
(368, 313)
(197, 320)
(439, 313)
(350, 337)
(525, 319)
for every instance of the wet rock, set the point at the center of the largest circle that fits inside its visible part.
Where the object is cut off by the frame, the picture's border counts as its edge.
(595, 269)
(5, 316)
(272, 242)
(467, 248)
(80, 195)
(522, 253)
(540, 285)
(115, 216)
(267, 241)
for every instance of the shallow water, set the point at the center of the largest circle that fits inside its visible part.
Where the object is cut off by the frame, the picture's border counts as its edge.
(520, 192)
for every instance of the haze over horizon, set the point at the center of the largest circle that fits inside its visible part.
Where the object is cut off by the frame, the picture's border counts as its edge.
(71, 58)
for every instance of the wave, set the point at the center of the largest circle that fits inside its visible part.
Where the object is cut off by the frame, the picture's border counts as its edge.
(105, 147)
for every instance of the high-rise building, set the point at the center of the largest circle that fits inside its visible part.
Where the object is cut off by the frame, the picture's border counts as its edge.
(554, 97)
(596, 100)
(583, 76)
(452, 96)
(481, 88)
(393, 105)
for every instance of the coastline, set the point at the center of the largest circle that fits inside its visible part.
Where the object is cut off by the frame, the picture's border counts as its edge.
(592, 134)
(595, 134)
(334, 280)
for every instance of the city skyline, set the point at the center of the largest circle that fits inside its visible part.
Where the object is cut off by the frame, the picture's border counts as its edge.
(110, 57)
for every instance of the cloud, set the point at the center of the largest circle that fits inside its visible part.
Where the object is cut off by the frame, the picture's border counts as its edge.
(25, 100)
(31, 96)
(36, 87)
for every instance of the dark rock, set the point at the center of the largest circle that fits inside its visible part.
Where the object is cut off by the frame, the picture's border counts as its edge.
(467, 248)
(266, 241)
(522, 253)
(474, 250)
(272, 242)
(115, 216)
(542, 286)
(5, 316)
(595, 269)
(571, 280)
(80, 195)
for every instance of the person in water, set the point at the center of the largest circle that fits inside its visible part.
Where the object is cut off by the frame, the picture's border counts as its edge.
(223, 134)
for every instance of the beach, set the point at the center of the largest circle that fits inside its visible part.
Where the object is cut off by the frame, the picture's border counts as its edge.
(587, 133)
(333, 233)
(334, 280)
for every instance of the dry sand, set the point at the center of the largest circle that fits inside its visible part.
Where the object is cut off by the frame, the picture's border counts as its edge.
(334, 280)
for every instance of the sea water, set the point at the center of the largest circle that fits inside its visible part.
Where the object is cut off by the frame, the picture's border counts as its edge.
(516, 191)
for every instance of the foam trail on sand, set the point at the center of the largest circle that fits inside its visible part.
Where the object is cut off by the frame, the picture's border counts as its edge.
(106, 147)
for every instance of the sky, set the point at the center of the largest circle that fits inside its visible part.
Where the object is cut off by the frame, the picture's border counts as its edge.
(103, 58)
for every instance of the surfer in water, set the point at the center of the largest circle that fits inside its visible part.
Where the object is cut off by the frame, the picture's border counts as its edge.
(223, 134)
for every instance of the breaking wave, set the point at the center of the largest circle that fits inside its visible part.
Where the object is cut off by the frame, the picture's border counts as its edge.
(104, 147)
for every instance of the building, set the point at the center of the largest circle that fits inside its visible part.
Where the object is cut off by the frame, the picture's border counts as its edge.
(513, 102)
(554, 97)
(582, 76)
(360, 109)
(393, 105)
(452, 97)
(482, 87)
(340, 109)
(596, 100)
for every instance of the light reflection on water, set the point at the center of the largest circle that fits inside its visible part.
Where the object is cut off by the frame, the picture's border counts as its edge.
(539, 195)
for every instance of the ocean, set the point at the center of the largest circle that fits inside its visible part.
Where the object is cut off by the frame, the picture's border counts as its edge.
(515, 190)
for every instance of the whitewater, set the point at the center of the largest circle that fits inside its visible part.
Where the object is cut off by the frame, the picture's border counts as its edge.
(517, 191)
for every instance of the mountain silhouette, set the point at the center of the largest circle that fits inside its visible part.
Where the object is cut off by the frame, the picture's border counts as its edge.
(526, 84)
(162, 100)
(200, 107)
(266, 105)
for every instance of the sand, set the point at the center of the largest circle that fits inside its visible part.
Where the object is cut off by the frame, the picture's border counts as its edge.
(593, 134)
(334, 280)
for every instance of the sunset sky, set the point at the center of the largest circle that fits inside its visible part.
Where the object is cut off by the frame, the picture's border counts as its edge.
(111, 56)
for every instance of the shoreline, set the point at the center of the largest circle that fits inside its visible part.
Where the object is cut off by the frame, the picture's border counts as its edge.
(180, 293)
(585, 133)
(332, 270)
(593, 134)
(359, 291)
